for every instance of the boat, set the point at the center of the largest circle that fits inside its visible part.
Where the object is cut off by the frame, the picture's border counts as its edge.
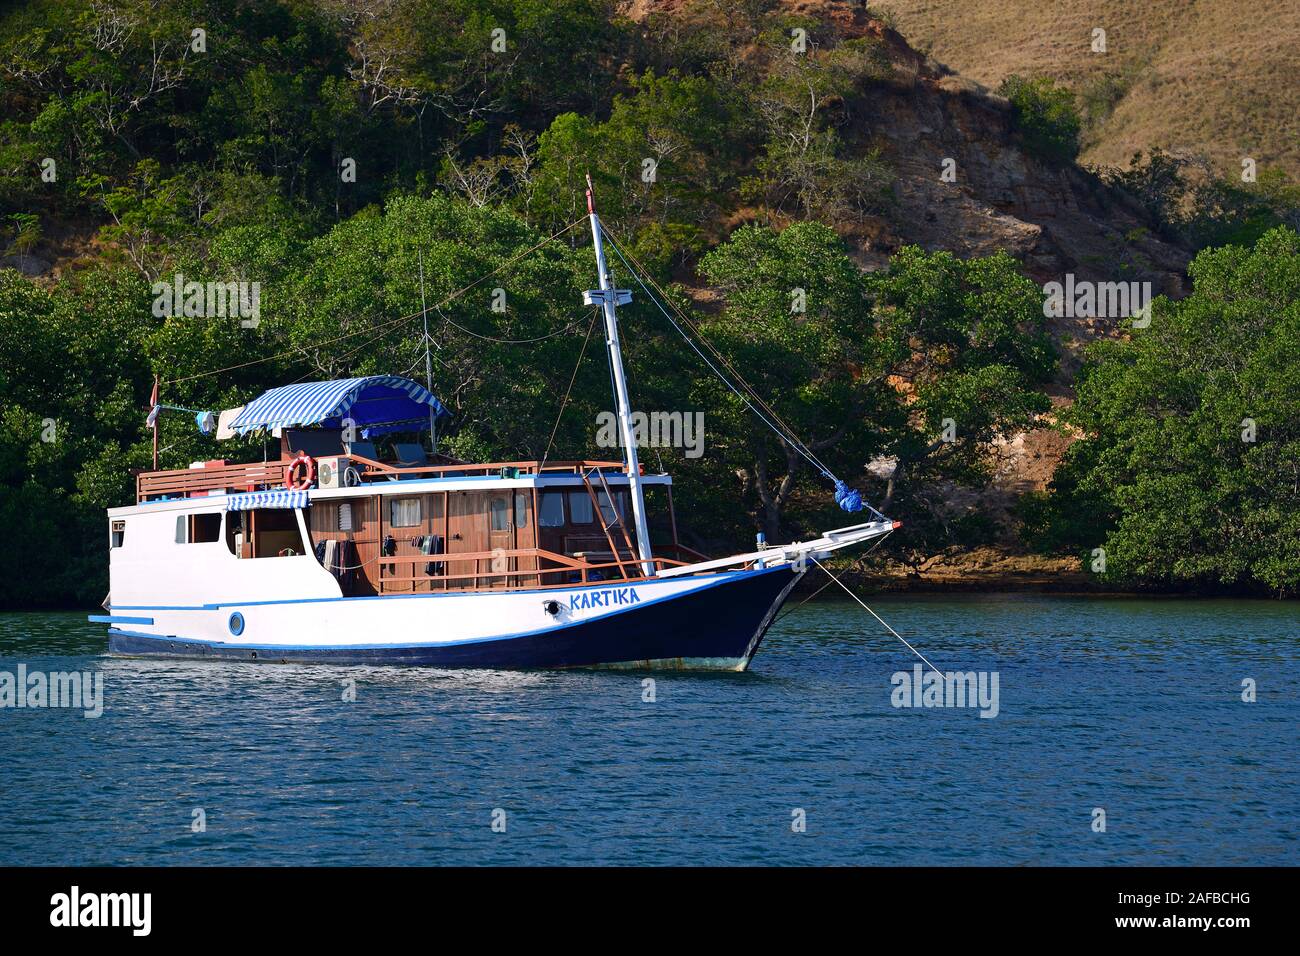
(357, 547)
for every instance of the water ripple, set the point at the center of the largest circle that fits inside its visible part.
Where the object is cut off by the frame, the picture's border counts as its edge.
(1133, 706)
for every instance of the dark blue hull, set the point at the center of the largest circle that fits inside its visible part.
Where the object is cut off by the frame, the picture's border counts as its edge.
(718, 627)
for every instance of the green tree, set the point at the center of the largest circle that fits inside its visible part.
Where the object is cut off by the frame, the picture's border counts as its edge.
(861, 366)
(797, 322)
(662, 163)
(1189, 468)
(969, 353)
(1046, 116)
(805, 166)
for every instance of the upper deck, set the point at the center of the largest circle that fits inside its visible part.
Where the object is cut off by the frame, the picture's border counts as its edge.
(374, 477)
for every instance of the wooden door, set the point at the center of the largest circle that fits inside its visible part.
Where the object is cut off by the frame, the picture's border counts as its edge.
(467, 532)
(501, 534)
(406, 522)
(525, 537)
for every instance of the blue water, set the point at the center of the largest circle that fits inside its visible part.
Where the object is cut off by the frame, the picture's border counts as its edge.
(1131, 706)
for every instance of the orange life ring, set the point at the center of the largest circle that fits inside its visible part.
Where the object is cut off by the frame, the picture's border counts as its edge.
(308, 477)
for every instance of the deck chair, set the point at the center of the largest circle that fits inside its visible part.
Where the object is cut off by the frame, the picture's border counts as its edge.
(366, 449)
(410, 454)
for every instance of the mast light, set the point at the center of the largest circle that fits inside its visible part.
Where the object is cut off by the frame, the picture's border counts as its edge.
(597, 296)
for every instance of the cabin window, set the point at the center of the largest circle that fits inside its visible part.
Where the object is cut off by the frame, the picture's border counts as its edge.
(521, 511)
(345, 516)
(551, 510)
(198, 529)
(205, 529)
(607, 507)
(580, 508)
(404, 512)
(500, 515)
(117, 533)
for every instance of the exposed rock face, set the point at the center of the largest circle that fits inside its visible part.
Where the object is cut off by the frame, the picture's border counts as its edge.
(1054, 219)
(1199, 79)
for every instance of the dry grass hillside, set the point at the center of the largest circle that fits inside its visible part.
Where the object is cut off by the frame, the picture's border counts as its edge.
(1218, 78)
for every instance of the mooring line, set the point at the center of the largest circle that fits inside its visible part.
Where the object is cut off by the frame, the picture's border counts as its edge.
(812, 596)
(876, 616)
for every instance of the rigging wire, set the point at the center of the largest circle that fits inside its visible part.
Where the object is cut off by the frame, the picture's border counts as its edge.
(386, 325)
(877, 617)
(789, 433)
(541, 338)
(569, 391)
(783, 431)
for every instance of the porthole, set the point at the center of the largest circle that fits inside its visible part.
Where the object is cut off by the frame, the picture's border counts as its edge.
(236, 624)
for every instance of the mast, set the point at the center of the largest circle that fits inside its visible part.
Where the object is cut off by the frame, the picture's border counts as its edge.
(610, 298)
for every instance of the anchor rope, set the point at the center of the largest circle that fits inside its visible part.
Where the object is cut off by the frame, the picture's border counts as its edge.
(851, 566)
(877, 617)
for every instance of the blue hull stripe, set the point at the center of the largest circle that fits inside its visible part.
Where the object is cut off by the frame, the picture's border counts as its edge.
(613, 582)
(117, 619)
(716, 622)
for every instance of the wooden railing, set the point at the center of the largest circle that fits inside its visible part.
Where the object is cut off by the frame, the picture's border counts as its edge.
(195, 482)
(378, 469)
(192, 482)
(565, 565)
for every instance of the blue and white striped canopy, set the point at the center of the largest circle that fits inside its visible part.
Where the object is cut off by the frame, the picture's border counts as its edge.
(373, 402)
(281, 498)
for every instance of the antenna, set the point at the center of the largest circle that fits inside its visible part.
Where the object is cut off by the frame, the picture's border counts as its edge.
(153, 413)
(428, 361)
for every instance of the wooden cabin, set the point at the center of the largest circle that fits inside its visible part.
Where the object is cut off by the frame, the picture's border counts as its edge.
(443, 527)
(386, 517)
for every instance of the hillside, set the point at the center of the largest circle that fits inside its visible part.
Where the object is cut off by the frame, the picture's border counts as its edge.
(864, 231)
(1212, 77)
(1054, 218)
